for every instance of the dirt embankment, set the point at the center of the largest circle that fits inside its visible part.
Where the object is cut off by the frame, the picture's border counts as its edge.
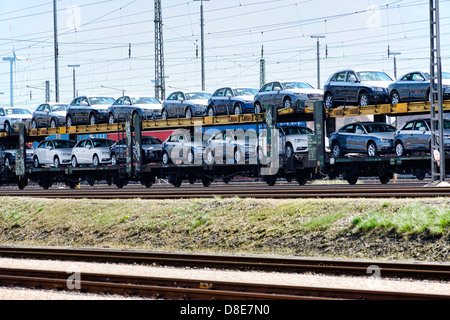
(347, 228)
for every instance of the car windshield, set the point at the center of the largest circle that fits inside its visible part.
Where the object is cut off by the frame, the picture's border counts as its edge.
(145, 100)
(373, 76)
(245, 92)
(59, 107)
(101, 100)
(102, 143)
(150, 140)
(297, 130)
(197, 95)
(64, 144)
(445, 75)
(379, 127)
(17, 111)
(296, 85)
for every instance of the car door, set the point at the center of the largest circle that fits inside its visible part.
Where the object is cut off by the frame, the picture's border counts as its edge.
(337, 85)
(420, 136)
(418, 86)
(38, 113)
(358, 140)
(116, 106)
(40, 151)
(277, 95)
(403, 87)
(227, 102)
(75, 110)
(344, 137)
(406, 134)
(351, 87)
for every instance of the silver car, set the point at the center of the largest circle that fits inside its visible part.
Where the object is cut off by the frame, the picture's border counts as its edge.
(363, 137)
(289, 94)
(49, 115)
(415, 135)
(10, 116)
(93, 151)
(55, 152)
(147, 107)
(235, 145)
(182, 146)
(185, 104)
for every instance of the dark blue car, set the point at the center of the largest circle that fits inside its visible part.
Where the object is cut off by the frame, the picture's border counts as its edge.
(415, 86)
(357, 87)
(226, 101)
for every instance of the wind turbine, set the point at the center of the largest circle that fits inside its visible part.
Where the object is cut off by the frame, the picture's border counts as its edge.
(13, 61)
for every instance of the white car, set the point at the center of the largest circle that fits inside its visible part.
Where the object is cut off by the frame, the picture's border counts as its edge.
(94, 151)
(55, 152)
(10, 116)
(293, 140)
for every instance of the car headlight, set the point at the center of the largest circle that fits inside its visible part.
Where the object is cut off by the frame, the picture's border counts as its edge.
(300, 140)
(104, 152)
(386, 140)
(302, 95)
(66, 154)
(378, 89)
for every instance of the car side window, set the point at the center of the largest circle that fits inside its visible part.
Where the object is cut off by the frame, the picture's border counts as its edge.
(219, 93)
(267, 87)
(348, 129)
(228, 92)
(88, 144)
(349, 74)
(408, 126)
(406, 77)
(2, 112)
(420, 124)
(119, 102)
(340, 77)
(47, 108)
(359, 129)
(277, 86)
(417, 77)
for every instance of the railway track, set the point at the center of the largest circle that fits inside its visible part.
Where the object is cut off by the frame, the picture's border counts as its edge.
(237, 190)
(182, 289)
(403, 270)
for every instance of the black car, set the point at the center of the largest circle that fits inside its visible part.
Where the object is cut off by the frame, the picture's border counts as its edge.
(357, 87)
(151, 150)
(88, 110)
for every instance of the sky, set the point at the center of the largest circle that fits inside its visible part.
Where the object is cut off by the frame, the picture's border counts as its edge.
(113, 41)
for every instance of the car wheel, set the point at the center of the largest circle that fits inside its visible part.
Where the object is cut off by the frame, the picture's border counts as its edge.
(74, 162)
(258, 108)
(211, 112)
(399, 149)
(237, 110)
(33, 124)
(164, 115)
(53, 123)
(190, 157)
(336, 150)
(210, 157)
(36, 163)
(166, 158)
(287, 103)
(92, 119)
(237, 155)
(7, 127)
(69, 121)
(95, 161)
(289, 150)
(364, 99)
(395, 98)
(188, 113)
(7, 161)
(113, 159)
(329, 101)
(371, 149)
(111, 118)
(56, 162)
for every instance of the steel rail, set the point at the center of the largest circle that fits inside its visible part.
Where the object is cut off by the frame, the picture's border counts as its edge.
(421, 271)
(167, 288)
(244, 193)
